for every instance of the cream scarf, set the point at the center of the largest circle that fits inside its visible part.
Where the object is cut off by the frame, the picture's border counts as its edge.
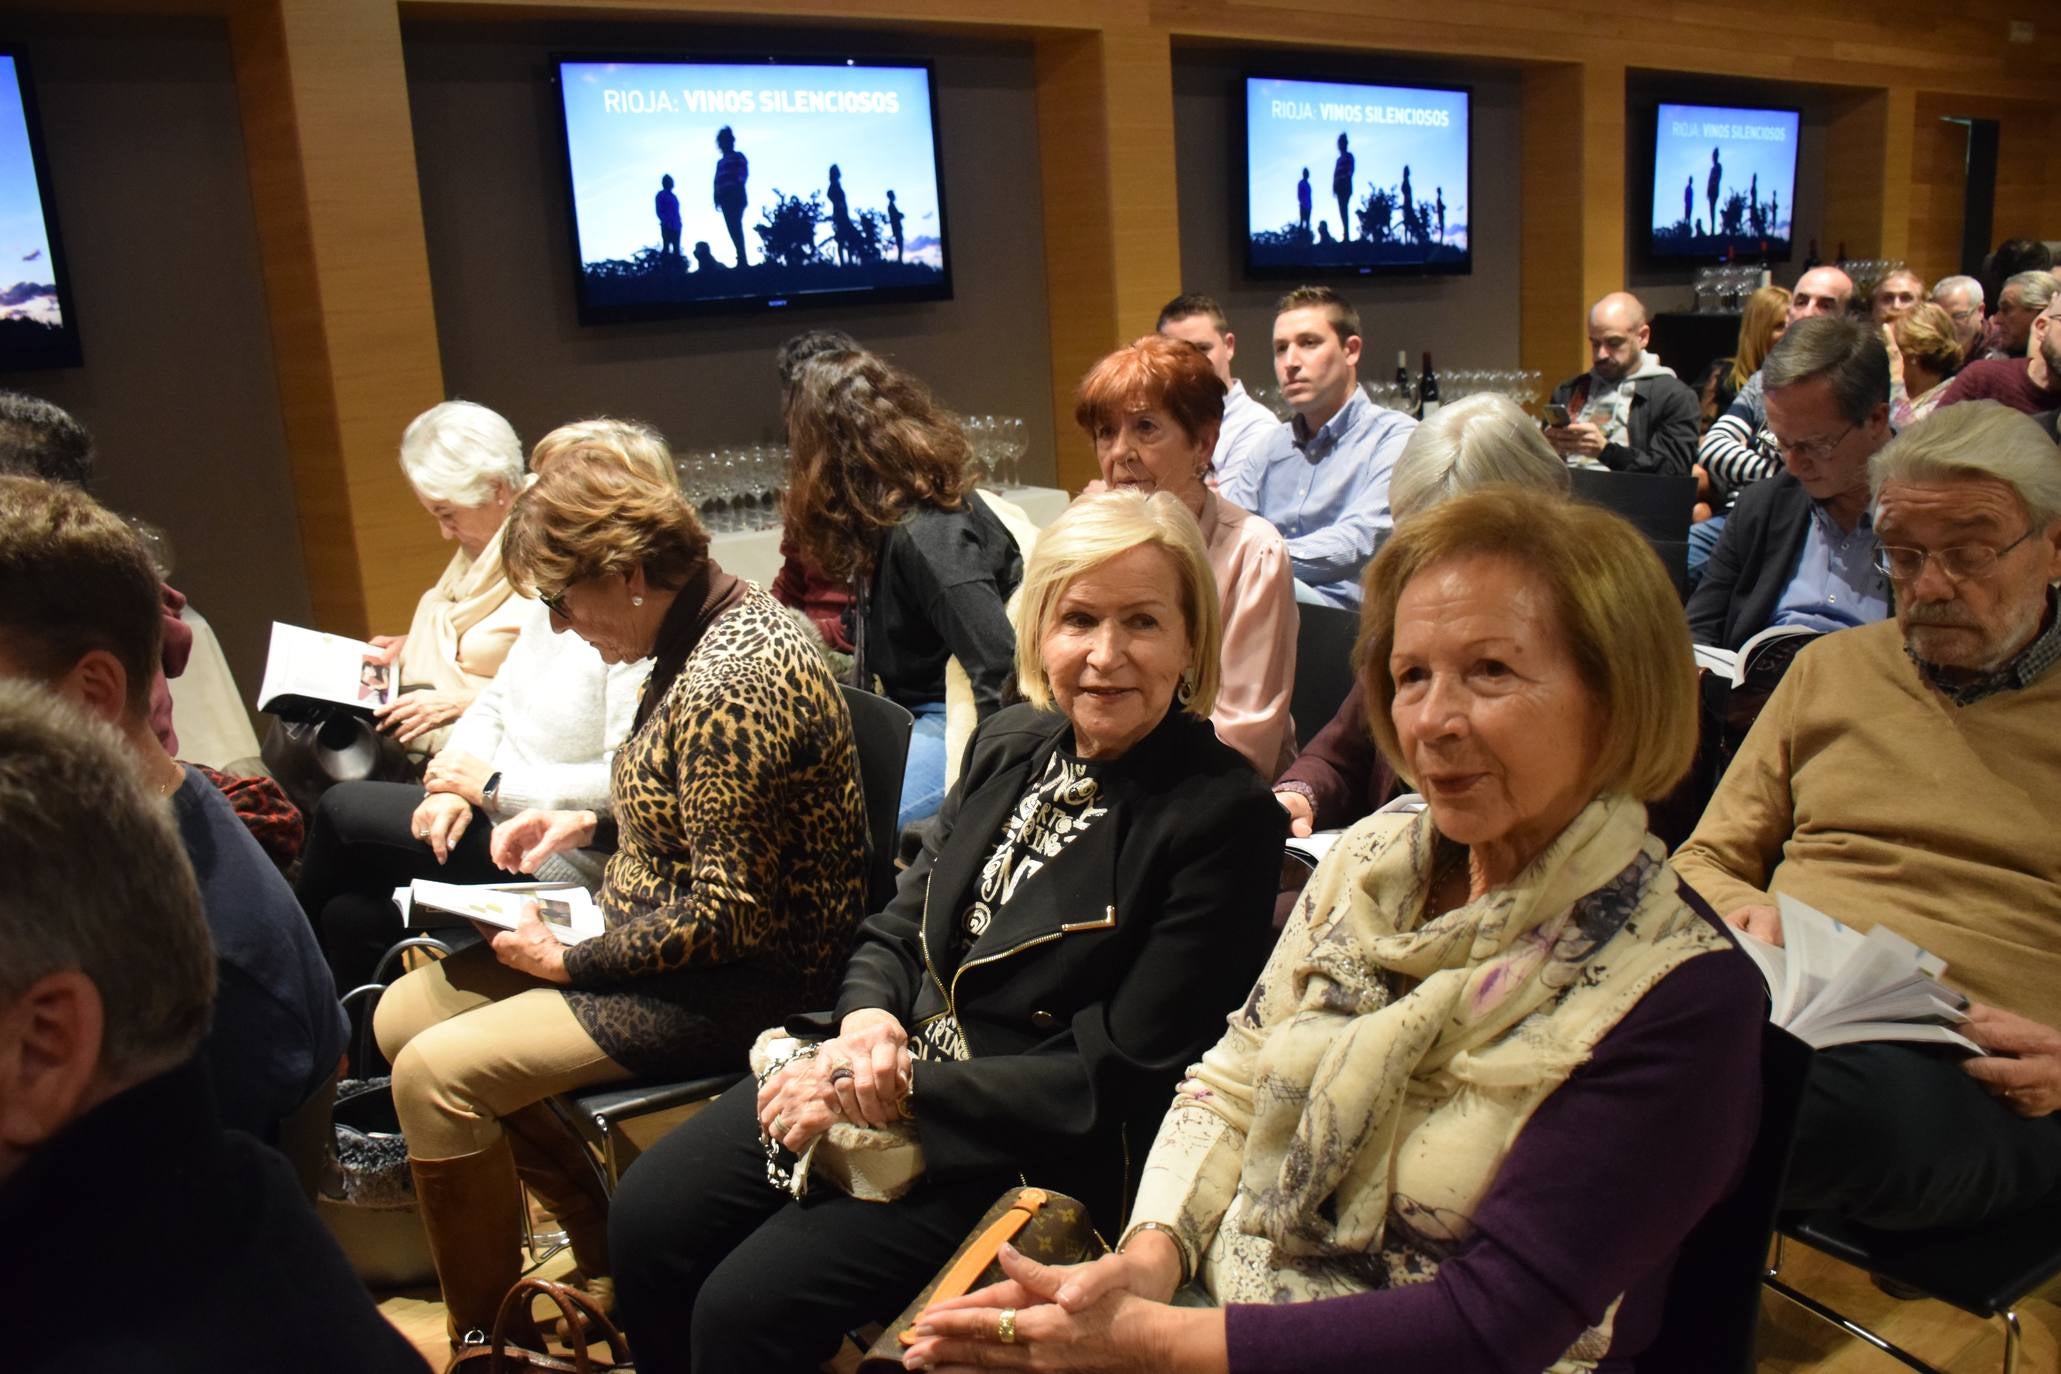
(1384, 1103)
(437, 653)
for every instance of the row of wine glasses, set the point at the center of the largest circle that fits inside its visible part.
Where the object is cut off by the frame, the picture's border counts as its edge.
(1521, 386)
(735, 488)
(999, 444)
(1723, 290)
(1867, 274)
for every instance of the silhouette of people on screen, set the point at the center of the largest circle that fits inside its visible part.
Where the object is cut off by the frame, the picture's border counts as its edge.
(1439, 203)
(1756, 214)
(1342, 188)
(732, 171)
(1302, 199)
(1324, 232)
(1689, 199)
(1774, 210)
(894, 223)
(705, 261)
(1710, 189)
(840, 217)
(667, 205)
(1410, 226)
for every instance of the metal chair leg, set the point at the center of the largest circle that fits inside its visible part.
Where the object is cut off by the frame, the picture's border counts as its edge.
(2011, 1335)
(1854, 1328)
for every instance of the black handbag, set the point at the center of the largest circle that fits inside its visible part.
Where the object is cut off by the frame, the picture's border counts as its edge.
(309, 754)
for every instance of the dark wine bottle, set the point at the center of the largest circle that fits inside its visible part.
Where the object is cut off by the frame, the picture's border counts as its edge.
(1404, 388)
(1841, 259)
(1427, 390)
(1810, 259)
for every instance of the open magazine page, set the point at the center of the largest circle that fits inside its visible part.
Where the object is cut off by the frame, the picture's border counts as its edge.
(567, 908)
(1313, 847)
(308, 665)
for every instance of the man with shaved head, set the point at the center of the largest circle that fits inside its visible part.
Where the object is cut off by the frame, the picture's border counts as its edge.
(1627, 413)
(1737, 452)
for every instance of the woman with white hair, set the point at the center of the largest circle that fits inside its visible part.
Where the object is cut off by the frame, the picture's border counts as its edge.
(1094, 895)
(465, 464)
(1480, 441)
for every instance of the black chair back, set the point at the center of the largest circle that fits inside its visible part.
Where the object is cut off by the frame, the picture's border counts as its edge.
(1658, 507)
(1323, 666)
(881, 728)
(1713, 1296)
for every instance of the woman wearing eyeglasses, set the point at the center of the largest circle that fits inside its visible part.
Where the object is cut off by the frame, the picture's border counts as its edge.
(737, 881)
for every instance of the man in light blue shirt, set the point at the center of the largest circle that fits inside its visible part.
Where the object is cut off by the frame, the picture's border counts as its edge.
(1197, 319)
(1322, 478)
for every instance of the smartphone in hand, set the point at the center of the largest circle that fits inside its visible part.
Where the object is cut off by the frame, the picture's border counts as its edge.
(1557, 416)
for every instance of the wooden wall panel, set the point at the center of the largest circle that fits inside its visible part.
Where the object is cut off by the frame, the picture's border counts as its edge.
(2028, 190)
(339, 219)
(1112, 232)
(1573, 234)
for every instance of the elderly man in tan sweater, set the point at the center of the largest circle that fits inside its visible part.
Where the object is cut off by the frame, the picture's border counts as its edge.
(1909, 773)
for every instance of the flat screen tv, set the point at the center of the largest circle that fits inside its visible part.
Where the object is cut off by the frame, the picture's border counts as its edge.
(1349, 179)
(1724, 183)
(701, 185)
(38, 325)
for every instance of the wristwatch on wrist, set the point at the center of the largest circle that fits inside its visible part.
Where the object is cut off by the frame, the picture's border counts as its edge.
(486, 793)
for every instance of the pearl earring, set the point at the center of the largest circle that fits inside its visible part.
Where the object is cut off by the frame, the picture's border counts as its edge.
(636, 601)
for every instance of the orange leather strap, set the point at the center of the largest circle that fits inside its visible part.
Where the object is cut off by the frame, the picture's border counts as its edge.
(975, 1258)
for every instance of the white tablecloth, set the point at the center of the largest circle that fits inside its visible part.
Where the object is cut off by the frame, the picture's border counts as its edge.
(755, 554)
(207, 710)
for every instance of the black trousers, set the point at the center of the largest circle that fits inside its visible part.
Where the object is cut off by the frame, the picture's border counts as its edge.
(360, 848)
(717, 1271)
(1900, 1138)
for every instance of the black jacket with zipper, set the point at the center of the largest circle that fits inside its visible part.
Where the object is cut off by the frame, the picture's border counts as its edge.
(1105, 975)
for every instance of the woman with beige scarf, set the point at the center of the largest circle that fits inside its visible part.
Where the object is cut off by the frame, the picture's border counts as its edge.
(465, 464)
(1500, 1063)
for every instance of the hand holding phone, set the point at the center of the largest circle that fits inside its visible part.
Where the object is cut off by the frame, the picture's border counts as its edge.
(1557, 416)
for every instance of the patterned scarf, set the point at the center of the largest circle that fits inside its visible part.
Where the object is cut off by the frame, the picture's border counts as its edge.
(1416, 1053)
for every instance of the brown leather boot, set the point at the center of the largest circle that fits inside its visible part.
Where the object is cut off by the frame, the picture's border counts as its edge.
(556, 1166)
(475, 1234)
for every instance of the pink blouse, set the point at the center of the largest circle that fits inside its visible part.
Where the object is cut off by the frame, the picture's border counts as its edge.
(1258, 594)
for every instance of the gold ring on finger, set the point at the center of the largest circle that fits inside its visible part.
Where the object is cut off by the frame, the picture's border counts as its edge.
(1005, 1326)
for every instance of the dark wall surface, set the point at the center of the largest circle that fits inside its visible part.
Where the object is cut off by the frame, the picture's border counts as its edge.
(145, 147)
(1467, 322)
(489, 153)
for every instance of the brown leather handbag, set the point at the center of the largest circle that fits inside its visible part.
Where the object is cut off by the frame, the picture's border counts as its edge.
(502, 1354)
(1049, 1227)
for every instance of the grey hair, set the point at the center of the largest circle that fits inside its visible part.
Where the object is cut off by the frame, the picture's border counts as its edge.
(1975, 439)
(1847, 353)
(70, 796)
(2035, 289)
(1958, 283)
(1474, 442)
(459, 452)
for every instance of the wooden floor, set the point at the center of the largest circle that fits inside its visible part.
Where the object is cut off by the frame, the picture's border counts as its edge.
(1792, 1341)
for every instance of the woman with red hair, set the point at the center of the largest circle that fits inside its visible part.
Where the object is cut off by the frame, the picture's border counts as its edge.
(1153, 409)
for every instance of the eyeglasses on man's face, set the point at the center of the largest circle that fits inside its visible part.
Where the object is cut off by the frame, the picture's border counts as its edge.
(1810, 450)
(1961, 563)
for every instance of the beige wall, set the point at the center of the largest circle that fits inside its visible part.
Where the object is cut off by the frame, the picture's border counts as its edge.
(489, 156)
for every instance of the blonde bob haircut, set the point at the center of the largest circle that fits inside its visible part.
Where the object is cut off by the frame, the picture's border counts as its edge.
(1087, 534)
(631, 443)
(581, 521)
(1612, 600)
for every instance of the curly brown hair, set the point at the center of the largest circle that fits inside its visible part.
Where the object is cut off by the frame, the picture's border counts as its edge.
(584, 520)
(870, 443)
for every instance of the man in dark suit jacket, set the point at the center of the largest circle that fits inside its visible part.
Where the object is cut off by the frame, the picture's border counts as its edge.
(1799, 548)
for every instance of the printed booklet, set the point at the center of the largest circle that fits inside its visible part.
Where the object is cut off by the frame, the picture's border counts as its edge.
(1831, 985)
(567, 908)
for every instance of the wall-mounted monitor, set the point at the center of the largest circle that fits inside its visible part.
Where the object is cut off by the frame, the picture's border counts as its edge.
(38, 325)
(699, 185)
(1351, 179)
(1724, 183)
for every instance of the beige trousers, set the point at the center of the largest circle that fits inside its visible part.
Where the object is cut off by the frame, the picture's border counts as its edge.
(471, 1041)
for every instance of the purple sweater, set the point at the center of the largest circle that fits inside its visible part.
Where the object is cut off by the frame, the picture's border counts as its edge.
(1595, 1198)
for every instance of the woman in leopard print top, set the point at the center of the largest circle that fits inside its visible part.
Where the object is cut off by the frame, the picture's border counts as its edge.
(733, 894)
